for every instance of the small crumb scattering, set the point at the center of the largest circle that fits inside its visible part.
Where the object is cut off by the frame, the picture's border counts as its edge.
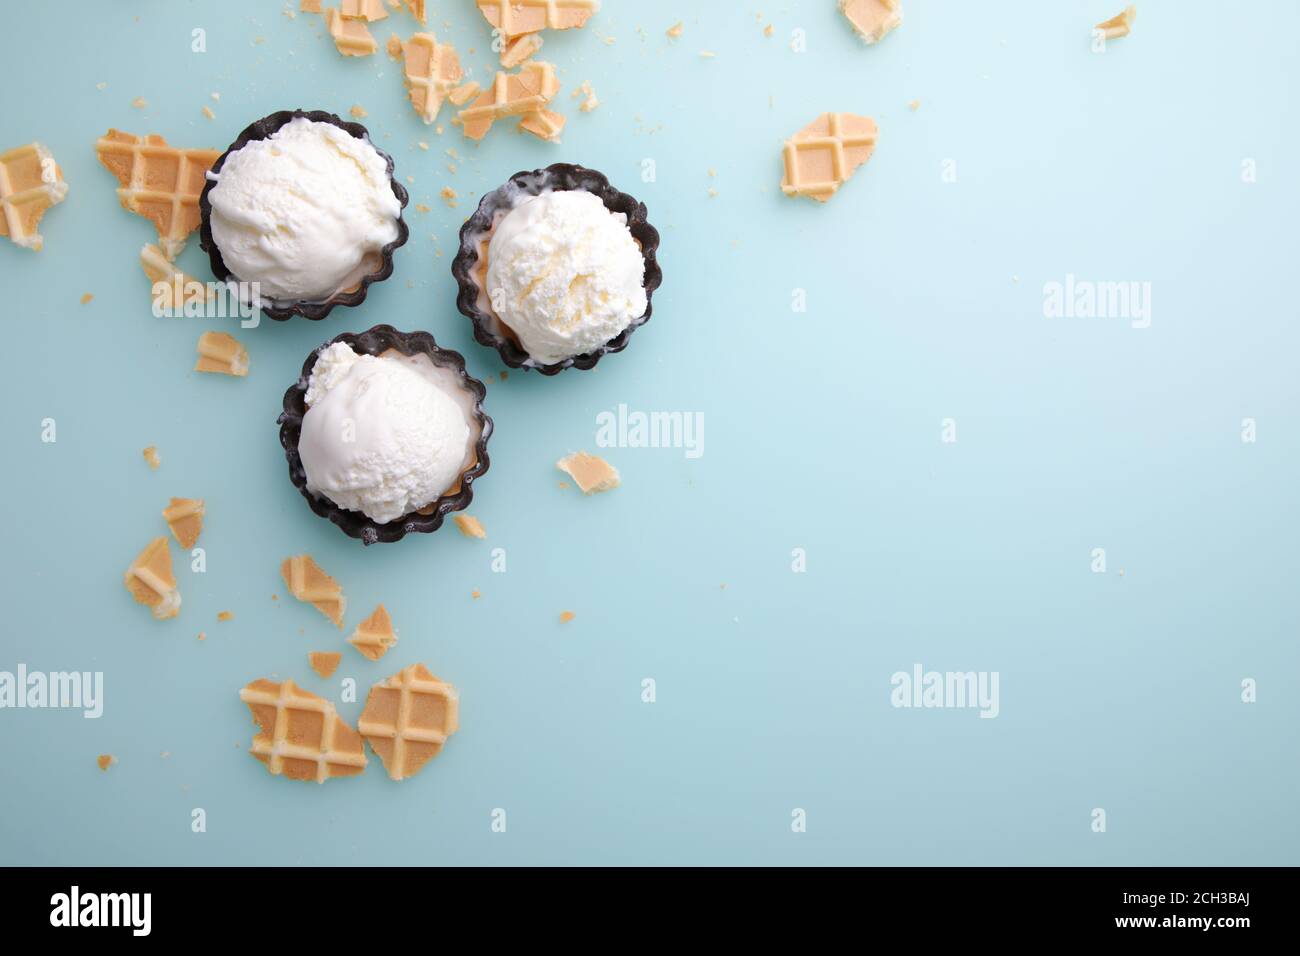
(152, 457)
(449, 196)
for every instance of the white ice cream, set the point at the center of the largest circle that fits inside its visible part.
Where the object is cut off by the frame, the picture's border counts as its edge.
(565, 274)
(304, 212)
(383, 435)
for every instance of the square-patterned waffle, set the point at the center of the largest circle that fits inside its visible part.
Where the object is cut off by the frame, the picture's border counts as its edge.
(408, 718)
(301, 736)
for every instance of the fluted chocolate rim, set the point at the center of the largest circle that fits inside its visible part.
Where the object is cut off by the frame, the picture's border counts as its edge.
(564, 176)
(261, 129)
(355, 524)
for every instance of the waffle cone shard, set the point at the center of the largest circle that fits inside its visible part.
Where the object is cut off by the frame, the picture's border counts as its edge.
(431, 71)
(821, 157)
(408, 718)
(544, 124)
(520, 49)
(351, 37)
(222, 353)
(513, 17)
(151, 581)
(872, 19)
(591, 474)
(158, 181)
(374, 636)
(1119, 25)
(178, 289)
(307, 582)
(370, 10)
(30, 183)
(185, 517)
(300, 735)
(324, 663)
(511, 94)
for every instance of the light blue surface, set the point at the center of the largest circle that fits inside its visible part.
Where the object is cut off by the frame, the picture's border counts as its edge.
(822, 432)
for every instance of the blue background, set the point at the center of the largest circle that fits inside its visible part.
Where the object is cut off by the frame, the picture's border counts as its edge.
(822, 432)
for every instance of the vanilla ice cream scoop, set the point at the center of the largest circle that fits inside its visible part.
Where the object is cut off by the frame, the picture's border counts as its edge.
(305, 212)
(384, 435)
(564, 274)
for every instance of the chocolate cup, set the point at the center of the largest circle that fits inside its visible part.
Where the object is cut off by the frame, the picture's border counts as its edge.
(355, 524)
(562, 176)
(261, 129)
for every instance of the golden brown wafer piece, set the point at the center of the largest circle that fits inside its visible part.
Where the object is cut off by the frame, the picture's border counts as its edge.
(417, 9)
(151, 581)
(158, 181)
(185, 517)
(1119, 25)
(821, 157)
(513, 17)
(222, 353)
(370, 10)
(872, 19)
(591, 474)
(544, 124)
(519, 49)
(470, 526)
(511, 94)
(375, 635)
(431, 71)
(30, 183)
(307, 582)
(351, 37)
(408, 718)
(325, 663)
(178, 289)
(301, 736)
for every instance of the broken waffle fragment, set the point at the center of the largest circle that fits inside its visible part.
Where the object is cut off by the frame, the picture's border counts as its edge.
(301, 736)
(158, 181)
(185, 517)
(309, 6)
(872, 19)
(519, 49)
(351, 37)
(222, 353)
(307, 582)
(431, 71)
(151, 457)
(374, 636)
(513, 17)
(821, 157)
(177, 289)
(462, 94)
(591, 474)
(511, 94)
(470, 526)
(30, 183)
(325, 663)
(544, 124)
(408, 718)
(370, 10)
(151, 581)
(1119, 25)
(417, 9)
(104, 761)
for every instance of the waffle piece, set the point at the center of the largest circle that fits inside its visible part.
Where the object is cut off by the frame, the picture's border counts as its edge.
(589, 473)
(30, 183)
(178, 289)
(325, 663)
(463, 93)
(375, 635)
(307, 582)
(544, 124)
(1119, 25)
(185, 517)
(417, 9)
(223, 353)
(519, 49)
(431, 70)
(872, 19)
(821, 157)
(511, 94)
(470, 526)
(309, 6)
(370, 10)
(151, 581)
(513, 17)
(408, 718)
(158, 181)
(301, 736)
(351, 37)
(151, 457)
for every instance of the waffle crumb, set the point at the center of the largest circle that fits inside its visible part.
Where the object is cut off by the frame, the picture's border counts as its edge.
(184, 516)
(394, 46)
(707, 54)
(152, 457)
(105, 761)
(1119, 25)
(674, 31)
(591, 101)
(470, 526)
(475, 595)
(309, 6)
(769, 30)
(421, 207)
(325, 663)
(86, 297)
(139, 102)
(151, 581)
(307, 582)
(566, 616)
(914, 105)
(358, 111)
(225, 616)
(375, 635)
(207, 112)
(821, 157)
(590, 473)
(872, 19)
(449, 196)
